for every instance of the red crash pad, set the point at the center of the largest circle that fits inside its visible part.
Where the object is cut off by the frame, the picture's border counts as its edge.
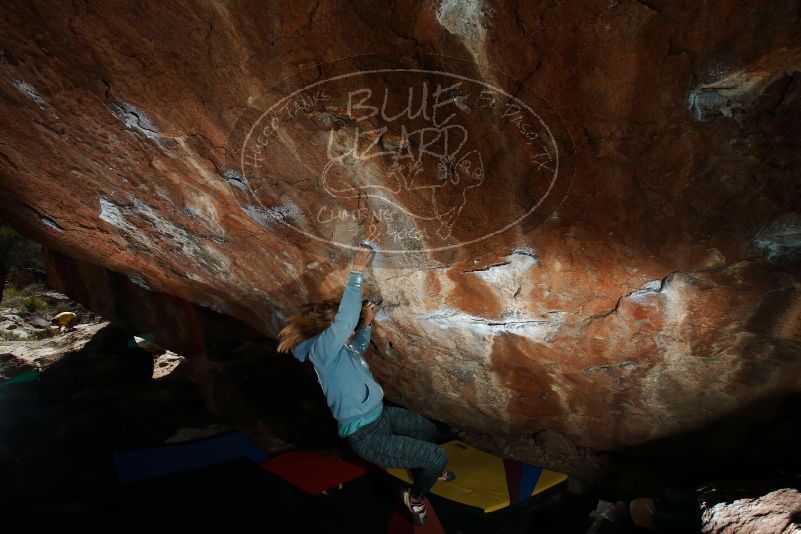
(311, 471)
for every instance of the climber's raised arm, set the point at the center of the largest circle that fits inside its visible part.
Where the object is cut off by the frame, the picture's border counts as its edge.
(347, 316)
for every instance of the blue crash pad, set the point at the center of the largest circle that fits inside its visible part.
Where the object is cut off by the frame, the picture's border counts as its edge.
(174, 457)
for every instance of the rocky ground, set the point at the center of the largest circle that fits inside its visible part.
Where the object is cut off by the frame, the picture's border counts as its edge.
(777, 512)
(28, 306)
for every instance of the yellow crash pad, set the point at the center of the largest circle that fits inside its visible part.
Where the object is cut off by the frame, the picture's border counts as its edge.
(486, 481)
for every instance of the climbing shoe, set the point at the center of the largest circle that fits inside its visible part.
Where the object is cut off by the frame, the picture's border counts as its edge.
(447, 475)
(416, 508)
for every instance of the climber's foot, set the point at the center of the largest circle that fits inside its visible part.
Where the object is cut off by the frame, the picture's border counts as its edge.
(447, 475)
(416, 507)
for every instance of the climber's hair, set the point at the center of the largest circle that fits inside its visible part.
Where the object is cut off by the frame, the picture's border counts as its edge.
(313, 319)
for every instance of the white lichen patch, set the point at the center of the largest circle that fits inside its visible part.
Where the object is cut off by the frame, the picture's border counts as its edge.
(32, 94)
(732, 93)
(467, 19)
(649, 288)
(171, 236)
(48, 221)
(779, 241)
(448, 318)
(260, 215)
(134, 119)
(237, 179)
(287, 212)
(200, 251)
(138, 280)
(28, 90)
(463, 18)
(112, 214)
(168, 230)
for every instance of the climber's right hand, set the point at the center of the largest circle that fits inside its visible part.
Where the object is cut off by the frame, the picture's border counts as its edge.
(363, 258)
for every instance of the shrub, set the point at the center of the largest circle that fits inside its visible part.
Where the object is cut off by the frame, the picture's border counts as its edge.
(11, 292)
(34, 303)
(12, 297)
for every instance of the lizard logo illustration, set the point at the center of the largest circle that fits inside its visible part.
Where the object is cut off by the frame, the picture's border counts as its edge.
(428, 165)
(440, 177)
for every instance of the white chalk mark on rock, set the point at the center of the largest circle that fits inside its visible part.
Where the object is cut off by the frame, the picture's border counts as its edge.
(27, 89)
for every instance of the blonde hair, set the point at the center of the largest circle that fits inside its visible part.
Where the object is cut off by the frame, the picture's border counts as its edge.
(313, 319)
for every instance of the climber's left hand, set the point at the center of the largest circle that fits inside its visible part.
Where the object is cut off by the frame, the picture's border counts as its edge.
(368, 313)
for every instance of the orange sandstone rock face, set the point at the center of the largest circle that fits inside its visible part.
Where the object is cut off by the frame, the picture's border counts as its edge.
(586, 212)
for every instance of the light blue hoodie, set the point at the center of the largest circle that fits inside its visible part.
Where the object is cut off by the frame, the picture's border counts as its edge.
(349, 387)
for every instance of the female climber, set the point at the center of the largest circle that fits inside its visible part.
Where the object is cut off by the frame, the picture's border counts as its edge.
(335, 336)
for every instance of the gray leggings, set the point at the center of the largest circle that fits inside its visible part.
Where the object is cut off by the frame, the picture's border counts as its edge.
(402, 439)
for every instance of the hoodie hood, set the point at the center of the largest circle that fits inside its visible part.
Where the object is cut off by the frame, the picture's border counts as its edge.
(302, 349)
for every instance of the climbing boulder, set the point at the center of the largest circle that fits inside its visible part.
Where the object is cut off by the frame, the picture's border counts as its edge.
(583, 211)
